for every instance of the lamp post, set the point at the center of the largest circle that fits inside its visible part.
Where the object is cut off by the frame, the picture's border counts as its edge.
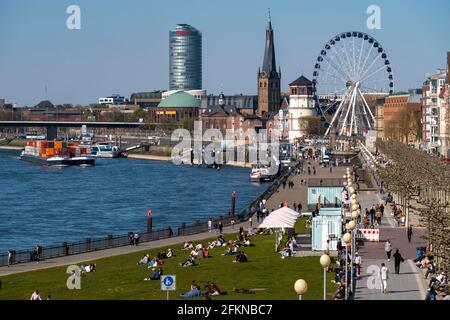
(351, 227)
(346, 238)
(325, 263)
(300, 287)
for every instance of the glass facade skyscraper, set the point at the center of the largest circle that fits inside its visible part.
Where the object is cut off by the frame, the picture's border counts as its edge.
(185, 64)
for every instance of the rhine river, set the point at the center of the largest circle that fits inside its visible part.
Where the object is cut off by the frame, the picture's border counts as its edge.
(47, 206)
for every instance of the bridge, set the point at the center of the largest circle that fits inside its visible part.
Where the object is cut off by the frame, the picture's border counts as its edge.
(52, 126)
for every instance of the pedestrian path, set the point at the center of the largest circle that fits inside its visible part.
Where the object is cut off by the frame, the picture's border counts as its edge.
(409, 283)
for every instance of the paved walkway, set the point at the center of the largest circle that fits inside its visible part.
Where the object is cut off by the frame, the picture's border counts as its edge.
(409, 283)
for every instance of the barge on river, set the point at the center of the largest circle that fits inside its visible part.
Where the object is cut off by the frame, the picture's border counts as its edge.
(57, 153)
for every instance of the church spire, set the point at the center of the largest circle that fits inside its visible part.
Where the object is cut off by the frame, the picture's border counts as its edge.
(269, 64)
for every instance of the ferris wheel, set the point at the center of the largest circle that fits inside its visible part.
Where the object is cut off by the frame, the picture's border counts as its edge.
(351, 68)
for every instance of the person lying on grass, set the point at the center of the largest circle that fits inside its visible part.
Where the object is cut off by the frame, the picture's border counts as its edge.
(144, 260)
(193, 293)
(88, 268)
(241, 257)
(189, 262)
(187, 245)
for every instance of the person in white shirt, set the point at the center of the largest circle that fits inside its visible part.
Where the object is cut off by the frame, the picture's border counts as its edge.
(36, 295)
(388, 249)
(358, 262)
(384, 275)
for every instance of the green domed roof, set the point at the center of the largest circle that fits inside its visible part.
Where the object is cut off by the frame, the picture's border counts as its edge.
(180, 99)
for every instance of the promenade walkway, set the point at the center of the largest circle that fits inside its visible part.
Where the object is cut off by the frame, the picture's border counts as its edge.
(409, 284)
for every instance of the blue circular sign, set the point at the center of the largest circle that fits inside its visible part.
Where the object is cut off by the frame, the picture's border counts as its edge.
(168, 281)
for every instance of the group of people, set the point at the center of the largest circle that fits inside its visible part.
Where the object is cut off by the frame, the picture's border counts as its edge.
(155, 264)
(133, 237)
(438, 278)
(211, 289)
(289, 248)
(372, 218)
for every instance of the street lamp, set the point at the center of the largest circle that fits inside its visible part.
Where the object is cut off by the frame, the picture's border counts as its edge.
(351, 226)
(354, 196)
(351, 190)
(300, 287)
(347, 238)
(355, 206)
(355, 214)
(325, 263)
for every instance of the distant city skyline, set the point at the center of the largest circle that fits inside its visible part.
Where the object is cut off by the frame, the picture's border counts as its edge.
(123, 47)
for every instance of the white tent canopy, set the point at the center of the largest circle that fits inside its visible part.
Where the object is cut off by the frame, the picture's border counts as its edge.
(280, 218)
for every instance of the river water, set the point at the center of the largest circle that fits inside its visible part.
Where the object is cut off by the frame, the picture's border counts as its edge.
(49, 205)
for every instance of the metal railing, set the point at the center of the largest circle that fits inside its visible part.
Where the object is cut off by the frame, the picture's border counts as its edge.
(111, 241)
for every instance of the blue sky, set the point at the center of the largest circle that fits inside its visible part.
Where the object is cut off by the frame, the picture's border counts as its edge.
(122, 46)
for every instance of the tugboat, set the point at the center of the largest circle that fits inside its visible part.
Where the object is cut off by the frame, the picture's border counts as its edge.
(56, 153)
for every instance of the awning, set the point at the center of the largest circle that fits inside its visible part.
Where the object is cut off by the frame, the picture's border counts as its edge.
(280, 218)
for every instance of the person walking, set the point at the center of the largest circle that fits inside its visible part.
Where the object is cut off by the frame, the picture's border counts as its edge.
(358, 262)
(383, 275)
(388, 249)
(220, 227)
(409, 233)
(209, 225)
(397, 260)
(38, 252)
(251, 222)
(232, 224)
(10, 258)
(136, 238)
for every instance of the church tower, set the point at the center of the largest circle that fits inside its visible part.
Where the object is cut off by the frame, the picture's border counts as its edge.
(269, 80)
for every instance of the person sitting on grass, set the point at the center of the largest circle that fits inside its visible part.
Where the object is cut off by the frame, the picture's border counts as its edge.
(241, 257)
(339, 293)
(169, 253)
(156, 274)
(189, 262)
(144, 260)
(212, 289)
(247, 243)
(232, 249)
(214, 243)
(187, 245)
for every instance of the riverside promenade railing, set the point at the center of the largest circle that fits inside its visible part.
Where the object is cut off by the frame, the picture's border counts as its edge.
(111, 241)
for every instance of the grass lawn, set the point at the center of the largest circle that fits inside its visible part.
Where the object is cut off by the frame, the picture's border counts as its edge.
(300, 226)
(120, 278)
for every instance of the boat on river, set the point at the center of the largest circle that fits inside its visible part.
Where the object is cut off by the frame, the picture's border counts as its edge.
(56, 153)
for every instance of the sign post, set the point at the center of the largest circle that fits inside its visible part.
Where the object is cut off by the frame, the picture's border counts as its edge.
(168, 283)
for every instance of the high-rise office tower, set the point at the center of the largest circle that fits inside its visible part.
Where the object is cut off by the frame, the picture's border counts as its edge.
(185, 65)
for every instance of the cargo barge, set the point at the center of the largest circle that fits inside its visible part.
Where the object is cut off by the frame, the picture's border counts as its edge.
(56, 153)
